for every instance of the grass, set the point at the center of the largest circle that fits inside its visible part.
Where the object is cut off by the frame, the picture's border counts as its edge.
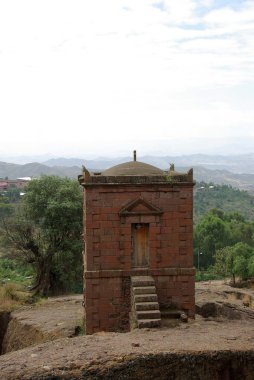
(14, 280)
(207, 275)
(12, 296)
(11, 271)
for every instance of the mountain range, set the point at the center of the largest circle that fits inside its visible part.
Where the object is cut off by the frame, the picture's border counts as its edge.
(237, 171)
(237, 164)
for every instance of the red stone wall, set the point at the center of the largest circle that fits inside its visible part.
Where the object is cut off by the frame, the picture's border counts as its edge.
(108, 248)
(107, 304)
(176, 290)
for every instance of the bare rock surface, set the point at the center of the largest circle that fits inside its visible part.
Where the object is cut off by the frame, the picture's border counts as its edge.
(217, 299)
(214, 347)
(54, 318)
(96, 354)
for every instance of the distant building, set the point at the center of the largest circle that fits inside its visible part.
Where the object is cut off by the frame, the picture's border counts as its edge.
(3, 185)
(22, 182)
(18, 183)
(24, 179)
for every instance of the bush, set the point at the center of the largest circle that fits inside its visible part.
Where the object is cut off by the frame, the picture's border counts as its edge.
(207, 275)
(11, 271)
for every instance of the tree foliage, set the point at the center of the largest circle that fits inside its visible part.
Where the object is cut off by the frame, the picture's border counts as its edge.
(235, 261)
(210, 234)
(6, 208)
(218, 230)
(46, 232)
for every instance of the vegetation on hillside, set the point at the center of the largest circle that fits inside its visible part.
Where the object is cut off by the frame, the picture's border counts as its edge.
(222, 197)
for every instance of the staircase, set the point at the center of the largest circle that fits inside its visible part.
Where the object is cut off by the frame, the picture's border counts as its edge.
(145, 307)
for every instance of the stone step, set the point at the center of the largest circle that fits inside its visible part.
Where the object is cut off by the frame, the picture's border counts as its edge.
(137, 281)
(144, 290)
(145, 298)
(148, 323)
(147, 306)
(171, 314)
(148, 314)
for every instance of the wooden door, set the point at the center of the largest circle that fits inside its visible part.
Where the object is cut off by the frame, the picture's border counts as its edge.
(140, 245)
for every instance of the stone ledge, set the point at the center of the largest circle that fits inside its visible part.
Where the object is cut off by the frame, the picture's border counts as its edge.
(137, 183)
(140, 272)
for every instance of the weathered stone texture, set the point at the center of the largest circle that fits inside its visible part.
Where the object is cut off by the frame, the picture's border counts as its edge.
(167, 208)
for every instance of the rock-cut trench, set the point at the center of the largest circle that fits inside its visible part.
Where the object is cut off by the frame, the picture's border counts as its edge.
(56, 318)
(220, 365)
(4, 321)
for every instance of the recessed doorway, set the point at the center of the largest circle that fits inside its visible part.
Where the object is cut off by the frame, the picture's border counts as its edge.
(140, 245)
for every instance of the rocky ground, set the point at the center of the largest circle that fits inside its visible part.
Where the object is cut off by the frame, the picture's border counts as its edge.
(219, 345)
(54, 318)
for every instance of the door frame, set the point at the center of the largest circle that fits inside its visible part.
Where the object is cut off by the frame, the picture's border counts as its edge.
(139, 249)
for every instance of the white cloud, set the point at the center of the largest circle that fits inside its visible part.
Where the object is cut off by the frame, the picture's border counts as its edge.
(180, 12)
(75, 72)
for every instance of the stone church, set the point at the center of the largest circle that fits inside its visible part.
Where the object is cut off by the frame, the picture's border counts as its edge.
(138, 254)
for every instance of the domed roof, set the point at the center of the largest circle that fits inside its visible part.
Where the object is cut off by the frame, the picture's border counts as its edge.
(133, 168)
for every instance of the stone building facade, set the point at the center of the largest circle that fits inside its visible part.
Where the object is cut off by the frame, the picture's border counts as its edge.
(137, 222)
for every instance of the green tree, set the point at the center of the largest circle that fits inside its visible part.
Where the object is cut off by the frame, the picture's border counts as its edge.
(46, 232)
(13, 194)
(251, 266)
(209, 235)
(235, 261)
(6, 209)
(217, 230)
(241, 231)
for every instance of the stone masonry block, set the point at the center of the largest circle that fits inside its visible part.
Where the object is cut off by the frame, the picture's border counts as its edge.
(108, 249)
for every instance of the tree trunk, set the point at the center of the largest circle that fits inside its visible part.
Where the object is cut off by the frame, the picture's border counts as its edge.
(42, 285)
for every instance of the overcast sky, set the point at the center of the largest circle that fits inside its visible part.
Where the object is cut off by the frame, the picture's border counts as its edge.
(100, 77)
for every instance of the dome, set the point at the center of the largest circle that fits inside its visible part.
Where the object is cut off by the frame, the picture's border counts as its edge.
(133, 168)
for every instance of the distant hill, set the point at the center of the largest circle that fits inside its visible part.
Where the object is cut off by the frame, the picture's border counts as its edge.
(236, 164)
(224, 177)
(97, 164)
(13, 171)
(223, 197)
